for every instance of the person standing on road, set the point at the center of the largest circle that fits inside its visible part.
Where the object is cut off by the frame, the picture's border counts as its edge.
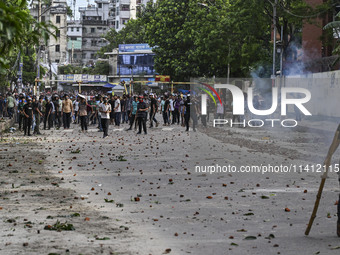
(99, 102)
(28, 116)
(153, 110)
(49, 113)
(128, 108)
(166, 111)
(83, 114)
(67, 110)
(177, 106)
(172, 109)
(76, 109)
(141, 115)
(105, 110)
(123, 109)
(112, 114)
(10, 104)
(132, 116)
(190, 112)
(21, 105)
(57, 107)
(117, 111)
(37, 114)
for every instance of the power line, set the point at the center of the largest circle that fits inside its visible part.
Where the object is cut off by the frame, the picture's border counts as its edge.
(301, 16)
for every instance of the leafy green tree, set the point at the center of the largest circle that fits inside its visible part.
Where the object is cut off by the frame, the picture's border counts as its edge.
(17, 29)
(334, 28)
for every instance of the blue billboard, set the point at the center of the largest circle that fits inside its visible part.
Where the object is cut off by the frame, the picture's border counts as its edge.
(134, 47)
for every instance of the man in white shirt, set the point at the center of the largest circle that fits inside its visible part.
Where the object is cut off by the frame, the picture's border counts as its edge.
(117, 111)
(105, 109)
(172, 109)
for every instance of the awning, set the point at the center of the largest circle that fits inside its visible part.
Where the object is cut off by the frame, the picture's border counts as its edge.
(89, 85)
(110, 85)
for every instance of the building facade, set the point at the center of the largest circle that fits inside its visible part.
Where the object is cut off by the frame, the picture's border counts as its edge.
(74, 42)
(55, 50)
(121, 11)
(94, 20)
(131, 62)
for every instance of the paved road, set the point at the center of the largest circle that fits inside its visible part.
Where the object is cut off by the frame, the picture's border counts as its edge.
(193, 212)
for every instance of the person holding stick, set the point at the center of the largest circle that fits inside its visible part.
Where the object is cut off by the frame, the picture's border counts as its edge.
(332, 149)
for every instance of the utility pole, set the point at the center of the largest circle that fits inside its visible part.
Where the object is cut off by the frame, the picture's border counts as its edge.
(274, 41)
(72, 52)
(38, 67)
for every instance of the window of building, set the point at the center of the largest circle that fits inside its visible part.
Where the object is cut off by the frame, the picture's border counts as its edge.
(57, 60)
(125, 7)
(84, 30)
(73, 38)
(99, 5)
(99, 28)
(117, 25)
(71, 29)
(57, 19)
(93, 43)
(57, 34)
(92, 55)
(74, 56)
(83, 56)
(78, 29)
(124, 21)
(57, 48)
(104, 29)
(93, 30)
(43, 18)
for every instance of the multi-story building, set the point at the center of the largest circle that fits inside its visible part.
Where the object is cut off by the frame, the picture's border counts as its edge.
(94, 21)
(74, 41)
(55, 50)
(121, 11)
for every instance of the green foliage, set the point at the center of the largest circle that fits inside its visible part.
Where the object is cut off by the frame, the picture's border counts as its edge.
(69, 12)
(334, 29)
(17, 30)
(193, 38)
(100, 68)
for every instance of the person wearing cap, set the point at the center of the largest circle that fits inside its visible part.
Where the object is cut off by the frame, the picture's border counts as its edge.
(153, 111)
(105, 110)
(28, 116)
(141, 115)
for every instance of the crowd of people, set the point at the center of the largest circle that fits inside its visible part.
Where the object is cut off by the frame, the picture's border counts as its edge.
(59, 110)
